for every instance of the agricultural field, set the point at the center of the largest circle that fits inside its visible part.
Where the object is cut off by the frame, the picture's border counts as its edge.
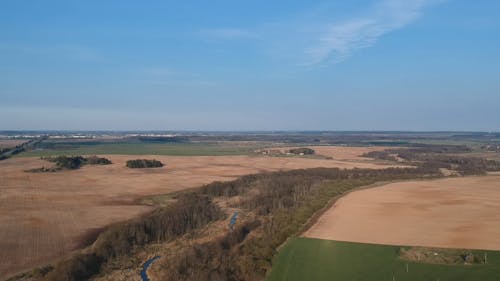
(457, 212)
(47, 215)
(324, 260)
(140, 148)
(9, 143)
(342, 153)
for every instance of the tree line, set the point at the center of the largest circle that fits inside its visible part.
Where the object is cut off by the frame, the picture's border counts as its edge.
(439, 156)
(283, 202)
(6, 153)
(280, 204)
(191, 211)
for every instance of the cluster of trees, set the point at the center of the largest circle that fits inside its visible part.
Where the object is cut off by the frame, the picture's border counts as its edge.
(302, 151)
(439, 156)
(70, 163)
(280, 204)
(283, 203)
(210, 260)
(144, 163)
(280, 201)
(94, 160)
(75, 162)
(8, 152)
(67, 162)
(190, 212)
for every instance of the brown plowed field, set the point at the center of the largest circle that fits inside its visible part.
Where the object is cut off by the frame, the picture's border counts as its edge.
(449, 213)
(43, 216)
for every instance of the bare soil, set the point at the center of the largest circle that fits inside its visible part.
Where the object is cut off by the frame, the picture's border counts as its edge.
(459, 212)
(44, 216)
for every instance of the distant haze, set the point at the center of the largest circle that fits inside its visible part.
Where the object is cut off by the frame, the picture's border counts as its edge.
(259, 65)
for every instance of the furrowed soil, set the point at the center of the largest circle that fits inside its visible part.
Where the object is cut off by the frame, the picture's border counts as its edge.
(45, 216)
(460, 212)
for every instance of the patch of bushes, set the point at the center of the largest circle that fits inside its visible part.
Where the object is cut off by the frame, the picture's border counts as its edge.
(43, 170)
(70, 163)
(302, 151)
(67, 162)
(441, 256)
(94, 160)
(144, 163)
(78, 268)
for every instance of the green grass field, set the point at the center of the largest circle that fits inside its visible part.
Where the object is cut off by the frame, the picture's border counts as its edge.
(322, 260)
(140, 148)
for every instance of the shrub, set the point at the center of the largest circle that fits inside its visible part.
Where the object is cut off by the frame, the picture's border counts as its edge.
(144, 163)
(72, 162)
(94, 160)
(78, 268)
(67, 162)
(302, 150)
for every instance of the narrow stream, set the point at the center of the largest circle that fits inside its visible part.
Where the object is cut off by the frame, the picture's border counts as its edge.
(147, 264)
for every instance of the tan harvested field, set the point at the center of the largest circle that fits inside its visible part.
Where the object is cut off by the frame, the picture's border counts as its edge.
(449, 213)
(44, 216)
(341, 153)
(8, 143)
(346, 153)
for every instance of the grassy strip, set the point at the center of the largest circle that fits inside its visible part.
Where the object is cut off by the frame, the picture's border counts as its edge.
(323, 260)
(138, 148)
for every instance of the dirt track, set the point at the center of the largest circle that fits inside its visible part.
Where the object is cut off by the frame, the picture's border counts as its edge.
(449, 213)
(43, 216)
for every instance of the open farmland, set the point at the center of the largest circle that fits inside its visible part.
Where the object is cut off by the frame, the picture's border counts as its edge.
(123, 147)
(326, 260)
(345, 153)
(450, 213)
(9, 143)
(47, 215)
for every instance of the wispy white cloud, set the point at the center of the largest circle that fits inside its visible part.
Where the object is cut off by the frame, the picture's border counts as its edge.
(227, 33)
(313, 37)
(340, 40)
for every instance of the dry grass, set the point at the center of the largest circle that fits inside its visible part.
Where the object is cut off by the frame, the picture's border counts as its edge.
(44, 216)
(341, 153)
(8, 143)
(446, 213)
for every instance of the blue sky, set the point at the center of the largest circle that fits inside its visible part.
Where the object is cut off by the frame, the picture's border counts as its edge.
(250, 65)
